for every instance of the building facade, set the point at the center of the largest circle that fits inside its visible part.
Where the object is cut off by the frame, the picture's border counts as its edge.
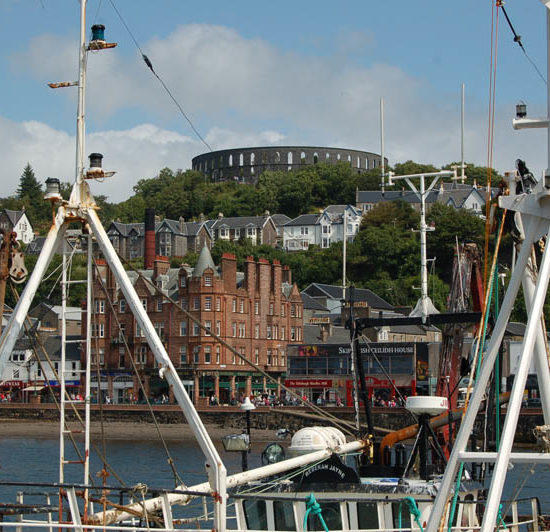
(17, 222)
(322, 229)
(245, 165)
(257, 312)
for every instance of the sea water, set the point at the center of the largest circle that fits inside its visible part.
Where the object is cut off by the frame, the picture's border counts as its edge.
(145, 461)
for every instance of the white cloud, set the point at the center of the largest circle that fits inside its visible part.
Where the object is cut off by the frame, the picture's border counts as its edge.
(243, 92)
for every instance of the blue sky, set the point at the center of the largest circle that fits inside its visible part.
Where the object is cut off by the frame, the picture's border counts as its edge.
(254, 73)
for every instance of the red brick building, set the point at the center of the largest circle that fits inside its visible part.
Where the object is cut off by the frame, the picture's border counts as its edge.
(257, 312)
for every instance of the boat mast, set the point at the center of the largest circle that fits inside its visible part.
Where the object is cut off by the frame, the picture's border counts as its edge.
(424, 306)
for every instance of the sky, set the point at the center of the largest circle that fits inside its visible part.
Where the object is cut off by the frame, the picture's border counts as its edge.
(258, 73)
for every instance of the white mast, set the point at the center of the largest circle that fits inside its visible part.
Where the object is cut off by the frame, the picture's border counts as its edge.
(424, 306)
(382, 141)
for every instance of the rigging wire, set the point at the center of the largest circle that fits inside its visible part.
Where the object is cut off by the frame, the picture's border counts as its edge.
(149, 64)
(340, 423)
(517, 38)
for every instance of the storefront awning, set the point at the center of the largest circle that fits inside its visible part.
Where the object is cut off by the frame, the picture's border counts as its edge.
(33, 388)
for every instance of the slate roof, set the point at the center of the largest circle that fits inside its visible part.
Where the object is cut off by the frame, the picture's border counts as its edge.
(204, 261)
(312, 335)
(311, 303)
(280, 219)
(336, 292)
(35, 246)
(53, 348)
(238, 222)
(304, 219)
(13, 216)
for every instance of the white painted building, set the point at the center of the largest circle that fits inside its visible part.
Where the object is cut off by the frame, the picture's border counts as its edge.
(17, 222)
(321, 229)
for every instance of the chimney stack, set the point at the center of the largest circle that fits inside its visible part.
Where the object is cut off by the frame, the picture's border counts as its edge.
(149, 246)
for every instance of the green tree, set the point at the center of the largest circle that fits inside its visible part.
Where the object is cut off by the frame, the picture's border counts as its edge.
(29, 187)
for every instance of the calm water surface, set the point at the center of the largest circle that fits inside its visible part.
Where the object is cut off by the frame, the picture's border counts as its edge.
(33, 459)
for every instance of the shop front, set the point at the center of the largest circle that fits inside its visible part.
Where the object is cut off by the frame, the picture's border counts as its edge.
(322, 373)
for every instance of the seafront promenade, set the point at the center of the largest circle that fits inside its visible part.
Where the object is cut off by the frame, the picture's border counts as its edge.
(231, 418)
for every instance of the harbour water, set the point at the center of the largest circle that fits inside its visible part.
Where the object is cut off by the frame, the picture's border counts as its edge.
(34, 459)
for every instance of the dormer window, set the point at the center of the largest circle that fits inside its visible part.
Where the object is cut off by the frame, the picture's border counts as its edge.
(208, 279)
(183, 281)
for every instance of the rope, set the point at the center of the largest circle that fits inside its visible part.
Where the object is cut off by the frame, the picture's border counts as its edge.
(170, 460)
(413, 509)
(313, 507)
(334, 419)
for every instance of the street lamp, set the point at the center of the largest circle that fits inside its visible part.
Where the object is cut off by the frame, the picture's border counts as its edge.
(246, 407)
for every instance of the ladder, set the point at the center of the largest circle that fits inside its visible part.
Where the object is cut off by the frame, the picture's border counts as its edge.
(68, 401)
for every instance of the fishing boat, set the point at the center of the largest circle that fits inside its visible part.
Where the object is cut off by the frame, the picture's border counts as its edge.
(316, 488)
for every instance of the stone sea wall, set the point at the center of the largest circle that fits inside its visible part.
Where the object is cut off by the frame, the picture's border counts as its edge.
(232, 418)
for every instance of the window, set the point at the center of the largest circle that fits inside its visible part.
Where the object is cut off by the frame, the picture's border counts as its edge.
(208, 303)
(283, 330)
(183, 281)
(159, 328)
(98, 330)
(141, 355)
(183, 303)
(234, 329)
(208, 325)
(15, 374)
(256, 356)
(326, 229)
(269, 357)
(183, 328)
(234, 307)
(233, 359)
(241, 306)
(251, 232)
(121, 332)
(256, 307)
(299, 310)
(144, 304)
(304, 230)
(207, 354)
(122, 306)
(196, 354)
(121, 357)
(159, 304)
(242, 330)
(271, 309)
(219, 328)
(293, 333)
(139, 331)
(293, 310)
(217, 354)
(269, 332)
(256, 331)
(94, 360)
(224, 232)
(275, 332)
(282, 358)
(283, 310)
(100, 306)
(183, 354)
(218, 304)
(208, 279)
(196, 303)
(196, 329)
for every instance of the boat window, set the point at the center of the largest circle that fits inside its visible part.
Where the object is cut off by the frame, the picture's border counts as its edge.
(331, 514)
(367, 515)
(284, 515)
(405, 515)
(256, 515)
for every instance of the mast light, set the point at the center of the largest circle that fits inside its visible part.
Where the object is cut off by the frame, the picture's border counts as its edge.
(53, 190)
(98, 38)
(96, 167)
